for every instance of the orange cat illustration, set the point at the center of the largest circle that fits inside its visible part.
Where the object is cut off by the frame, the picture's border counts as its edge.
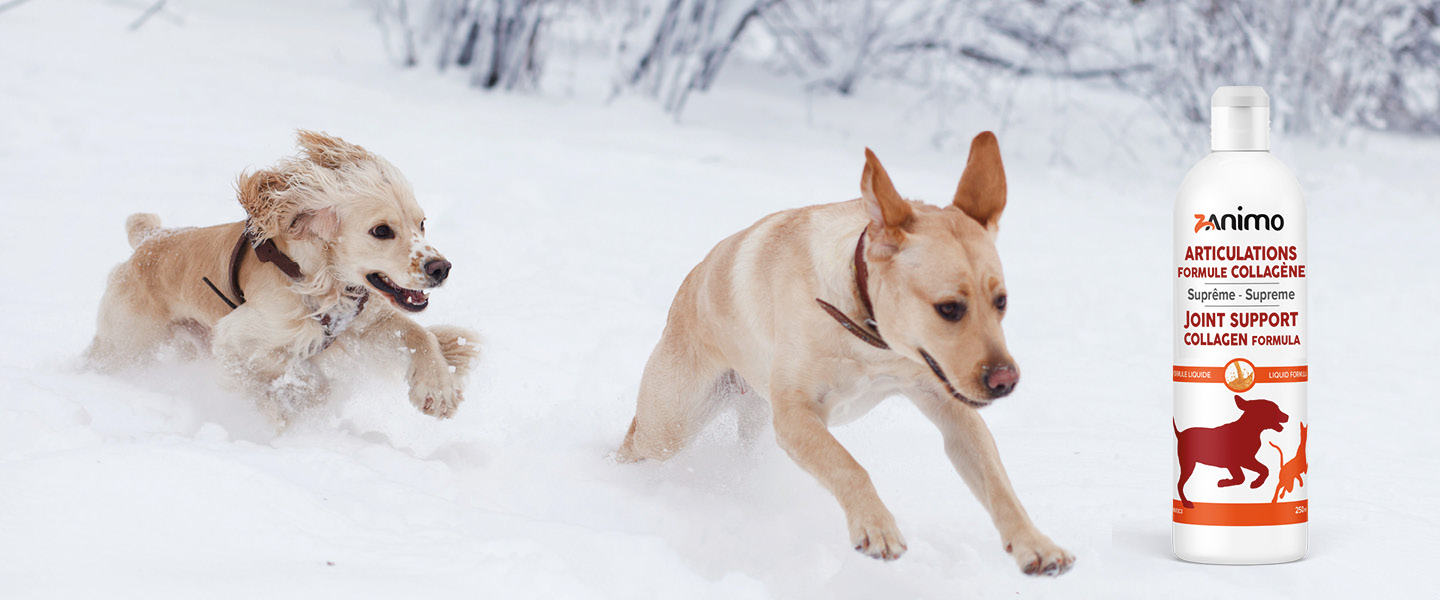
(1293, 471)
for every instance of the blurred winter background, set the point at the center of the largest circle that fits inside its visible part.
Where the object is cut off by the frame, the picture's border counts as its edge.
(576, 158)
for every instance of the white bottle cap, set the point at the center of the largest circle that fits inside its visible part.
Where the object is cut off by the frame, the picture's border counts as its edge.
(1240, 118)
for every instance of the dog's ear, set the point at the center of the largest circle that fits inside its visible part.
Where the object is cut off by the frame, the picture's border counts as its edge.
(262, 194)
(888, 212)
(329, 151)
(981, 193)
(267, 197)
(323, 224)
(1240, 402)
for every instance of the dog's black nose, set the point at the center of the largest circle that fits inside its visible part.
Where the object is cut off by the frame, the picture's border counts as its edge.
(1000, 380)
(438, 270)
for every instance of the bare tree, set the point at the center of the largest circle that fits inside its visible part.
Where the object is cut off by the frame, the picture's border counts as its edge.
(498, 41)
(679, 46)
(1327, 63)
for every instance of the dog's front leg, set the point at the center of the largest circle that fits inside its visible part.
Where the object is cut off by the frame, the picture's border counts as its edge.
(972, 450)
(264, 352)
(801, 431)
(434, 385)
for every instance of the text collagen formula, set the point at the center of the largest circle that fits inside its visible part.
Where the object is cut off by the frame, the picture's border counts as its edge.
(1240, 367)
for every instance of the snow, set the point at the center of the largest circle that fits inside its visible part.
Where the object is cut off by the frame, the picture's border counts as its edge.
(570, 222)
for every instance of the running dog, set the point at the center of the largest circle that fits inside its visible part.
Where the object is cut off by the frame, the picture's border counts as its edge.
(333, 251)
(829, 309)
(1231, 446)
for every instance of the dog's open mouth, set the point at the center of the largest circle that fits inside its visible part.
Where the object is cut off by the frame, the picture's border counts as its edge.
(406, 299)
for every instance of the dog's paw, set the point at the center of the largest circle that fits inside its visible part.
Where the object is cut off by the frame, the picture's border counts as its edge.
(877, 536)
(297, 391)
(460, 346)
(1037, 555)
(435, 393)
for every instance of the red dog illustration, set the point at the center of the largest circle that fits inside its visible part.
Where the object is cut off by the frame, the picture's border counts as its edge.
(1230, 446)
(1291, 472)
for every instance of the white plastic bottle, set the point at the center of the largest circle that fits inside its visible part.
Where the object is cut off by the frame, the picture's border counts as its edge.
(1240, 483)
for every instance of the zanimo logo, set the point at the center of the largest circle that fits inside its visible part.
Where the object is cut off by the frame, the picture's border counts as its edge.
(1240, 221)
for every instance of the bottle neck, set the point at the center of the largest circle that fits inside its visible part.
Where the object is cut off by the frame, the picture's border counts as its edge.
(1240, 129)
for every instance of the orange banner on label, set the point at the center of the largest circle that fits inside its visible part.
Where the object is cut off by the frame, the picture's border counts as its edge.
(1241, 515)
(1262, 374)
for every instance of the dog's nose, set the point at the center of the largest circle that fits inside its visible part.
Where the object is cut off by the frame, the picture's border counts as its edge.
(1000, 380)
(438, 270)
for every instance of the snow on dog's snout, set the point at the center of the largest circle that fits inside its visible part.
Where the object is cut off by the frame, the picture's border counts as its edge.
(423, 259)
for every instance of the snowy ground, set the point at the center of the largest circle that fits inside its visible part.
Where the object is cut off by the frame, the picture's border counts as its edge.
(571, 223)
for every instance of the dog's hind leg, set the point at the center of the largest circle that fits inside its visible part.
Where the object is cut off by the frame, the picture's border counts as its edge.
(676, 398)
(1187, 468)
(126, 331)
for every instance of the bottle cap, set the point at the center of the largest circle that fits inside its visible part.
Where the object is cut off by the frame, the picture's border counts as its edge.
(1240, 119)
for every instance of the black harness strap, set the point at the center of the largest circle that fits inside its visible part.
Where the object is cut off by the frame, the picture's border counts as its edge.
(219, 293)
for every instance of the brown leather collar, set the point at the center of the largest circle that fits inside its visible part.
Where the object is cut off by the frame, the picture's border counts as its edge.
(869, 332)
(267, 252)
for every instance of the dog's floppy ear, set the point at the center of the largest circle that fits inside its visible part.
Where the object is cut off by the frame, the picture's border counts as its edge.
(981, 193)
(262, 194)
(888, 212)
(268, 198)
(329, 151)
(323, 223)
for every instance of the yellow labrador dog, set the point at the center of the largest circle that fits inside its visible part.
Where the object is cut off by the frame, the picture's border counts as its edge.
(832, 308)
(333, 251)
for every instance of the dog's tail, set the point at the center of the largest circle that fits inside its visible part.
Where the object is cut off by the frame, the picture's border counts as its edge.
(140, 226)
(1177, 427)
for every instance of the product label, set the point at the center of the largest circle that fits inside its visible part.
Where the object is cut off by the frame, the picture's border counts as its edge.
(1240, 371)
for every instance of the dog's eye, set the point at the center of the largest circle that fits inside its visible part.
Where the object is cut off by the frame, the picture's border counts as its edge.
(382, 232)
(1000, 302)
(422, 227)
(950, 311)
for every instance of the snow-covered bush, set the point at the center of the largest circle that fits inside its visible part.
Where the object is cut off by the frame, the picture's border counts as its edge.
(670, 48)
(500, 42)
(1327, 63)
